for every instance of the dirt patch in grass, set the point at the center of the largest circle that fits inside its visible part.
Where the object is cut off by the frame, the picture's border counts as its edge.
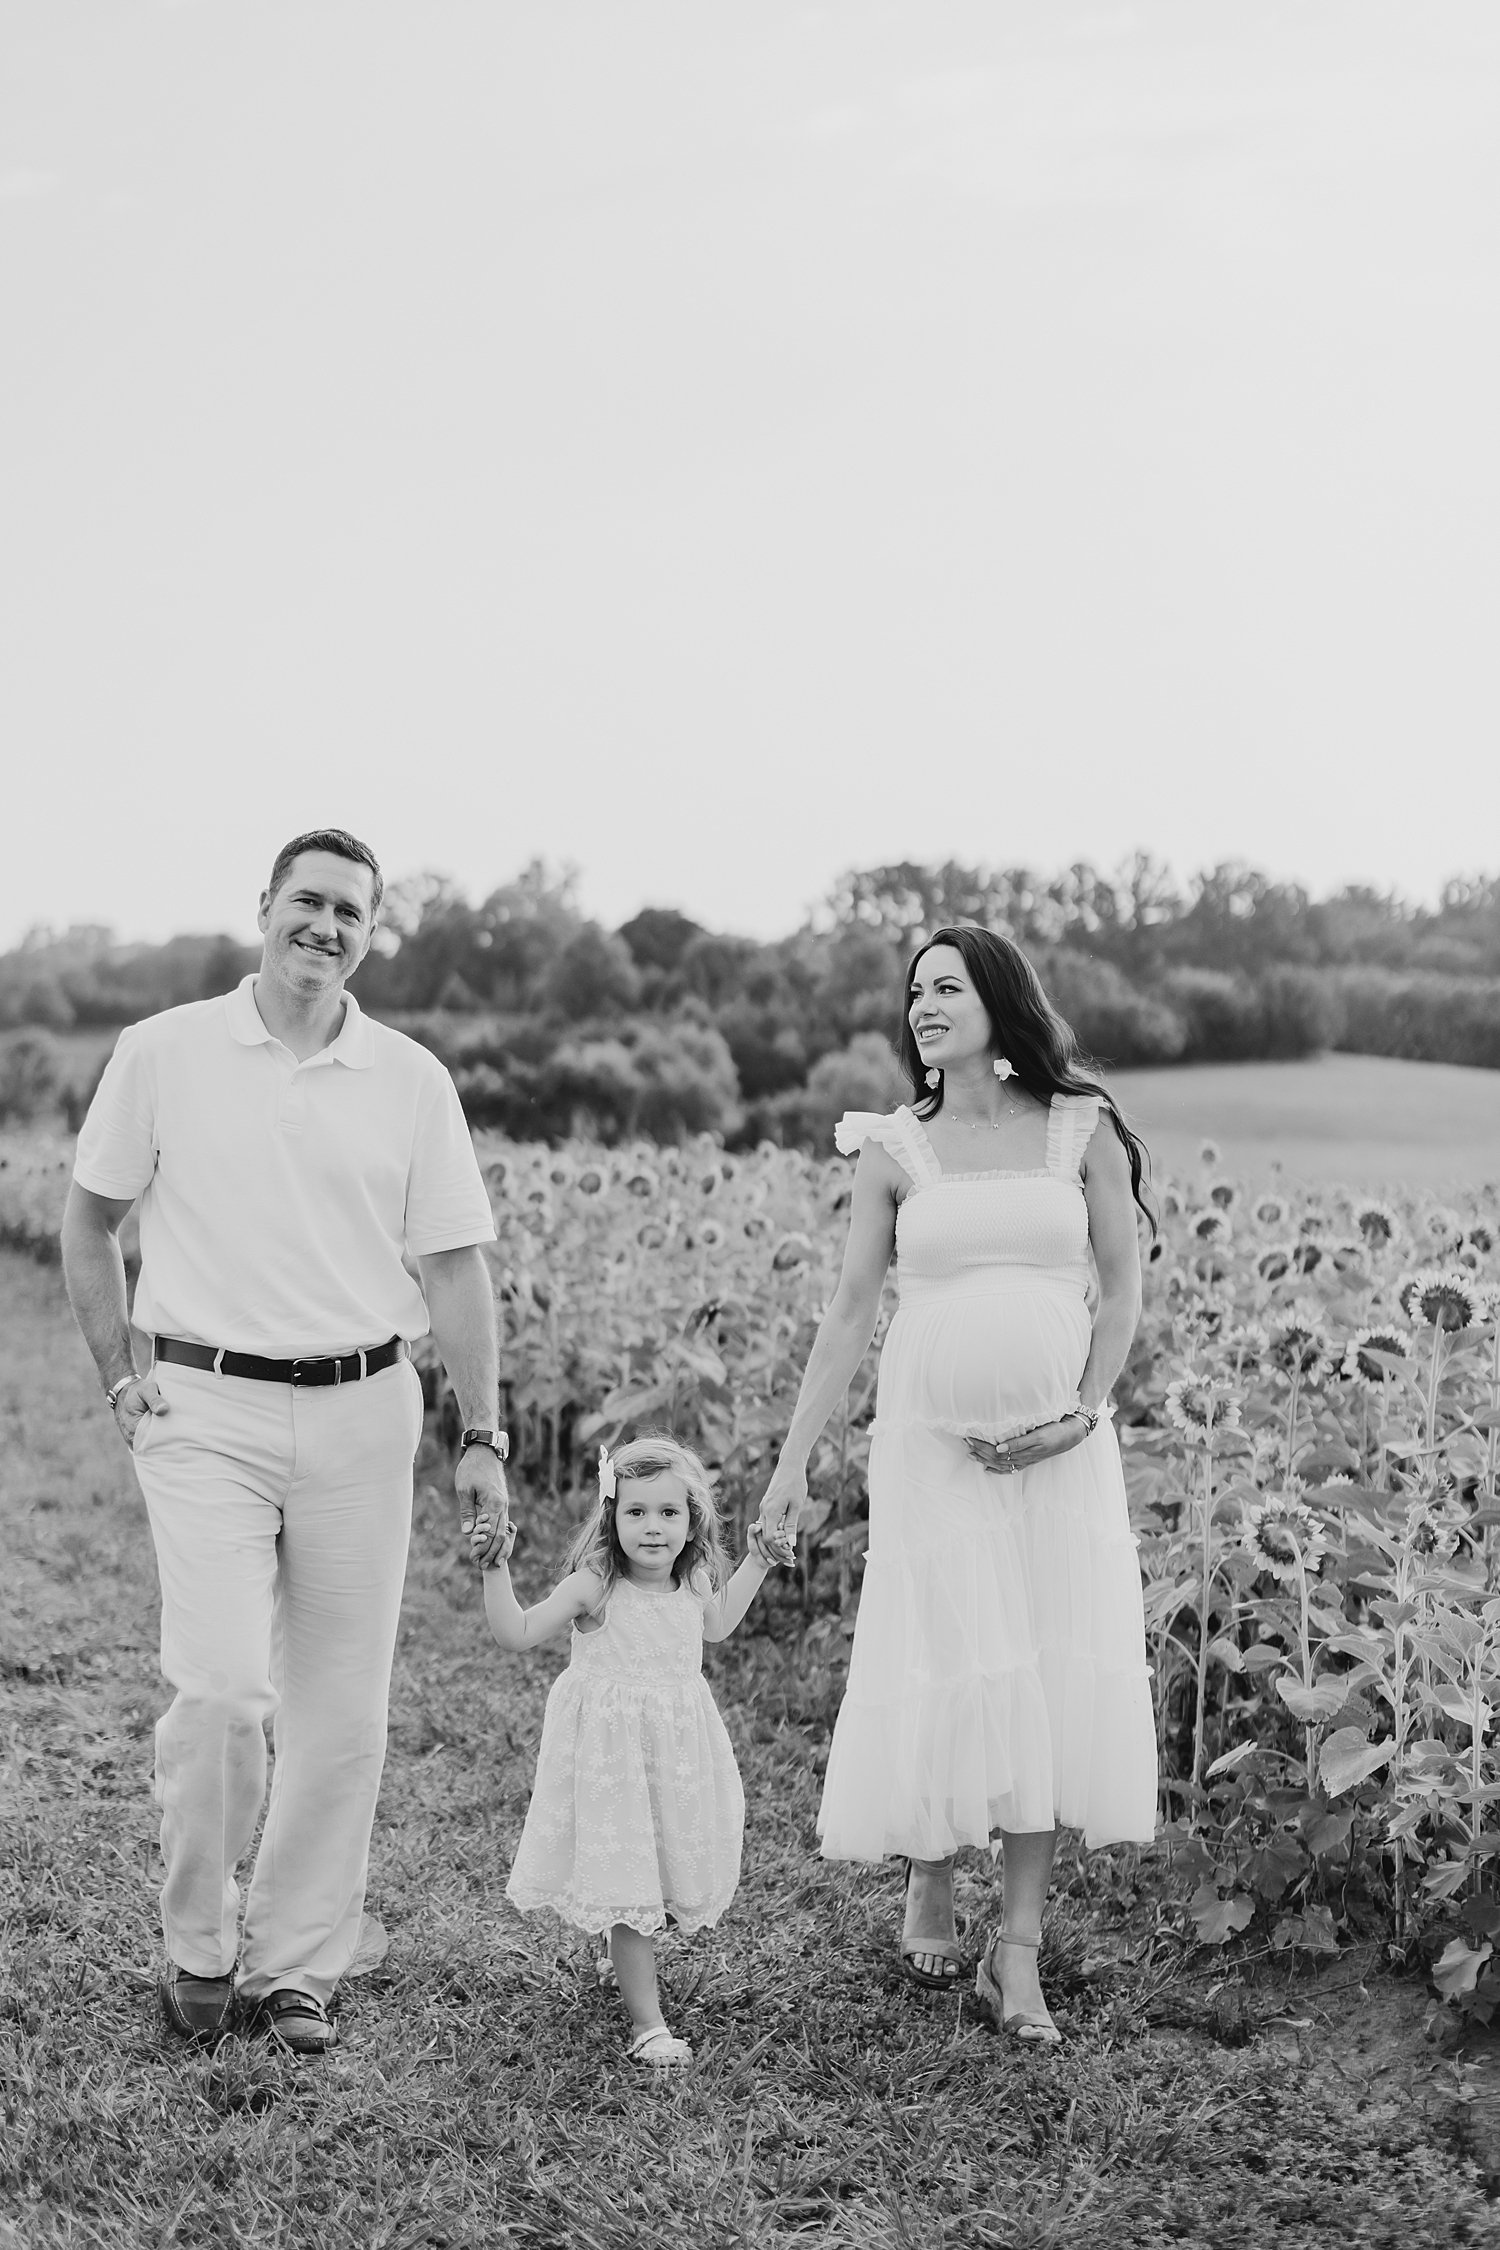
(480, 2094)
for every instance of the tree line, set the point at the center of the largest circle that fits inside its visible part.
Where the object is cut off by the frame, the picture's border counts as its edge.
(551, 1022)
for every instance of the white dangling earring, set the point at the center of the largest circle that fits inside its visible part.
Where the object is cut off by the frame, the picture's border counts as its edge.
(934, 1076)
(1004, 1067)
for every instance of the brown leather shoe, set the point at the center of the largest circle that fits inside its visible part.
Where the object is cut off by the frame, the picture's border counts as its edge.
(196, 2008)
(294, 2020)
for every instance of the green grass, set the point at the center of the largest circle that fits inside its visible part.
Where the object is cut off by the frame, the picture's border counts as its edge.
(1365, 1119)
(480, 2095)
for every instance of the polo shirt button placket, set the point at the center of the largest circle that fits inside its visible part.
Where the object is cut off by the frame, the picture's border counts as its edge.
(291, 1109)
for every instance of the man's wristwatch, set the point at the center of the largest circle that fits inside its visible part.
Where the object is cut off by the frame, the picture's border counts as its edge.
(498, 1442)
(112, 1395)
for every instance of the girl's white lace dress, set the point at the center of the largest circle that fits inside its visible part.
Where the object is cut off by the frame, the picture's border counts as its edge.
(998, 1677)
(637, 1812)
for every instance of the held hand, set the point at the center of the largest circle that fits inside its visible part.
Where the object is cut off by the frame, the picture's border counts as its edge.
(484, 1548)
(780, 1551)
(785, 1498)
(479, 1481)
(1004, 1457)
(136, 1404)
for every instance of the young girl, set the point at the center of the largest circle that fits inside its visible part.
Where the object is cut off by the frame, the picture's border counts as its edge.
(637, 1812)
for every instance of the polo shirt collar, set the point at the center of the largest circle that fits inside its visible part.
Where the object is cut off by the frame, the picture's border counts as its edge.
(354, 1046)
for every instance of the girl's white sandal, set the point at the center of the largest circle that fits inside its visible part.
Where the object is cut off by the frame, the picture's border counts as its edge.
(659, 2050)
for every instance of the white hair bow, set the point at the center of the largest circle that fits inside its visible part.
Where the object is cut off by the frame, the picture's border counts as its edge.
(606, 1474)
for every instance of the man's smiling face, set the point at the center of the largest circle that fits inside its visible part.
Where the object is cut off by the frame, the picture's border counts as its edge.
(318, 923)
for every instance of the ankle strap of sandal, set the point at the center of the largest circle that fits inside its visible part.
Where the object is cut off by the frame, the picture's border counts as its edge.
(1031, 1943)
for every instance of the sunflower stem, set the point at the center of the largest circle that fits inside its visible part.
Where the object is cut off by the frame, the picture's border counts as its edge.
(1305, 1644)
(1204, 1592)
(1433, 1377)
(1399, 1665)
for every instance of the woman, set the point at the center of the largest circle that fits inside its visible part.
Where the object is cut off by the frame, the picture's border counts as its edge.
(998, 1680)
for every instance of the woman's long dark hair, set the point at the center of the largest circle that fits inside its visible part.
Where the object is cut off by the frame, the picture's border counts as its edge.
(1026, 1027)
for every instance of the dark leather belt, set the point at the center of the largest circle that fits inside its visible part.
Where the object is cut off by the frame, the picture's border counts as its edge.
(307, 1374)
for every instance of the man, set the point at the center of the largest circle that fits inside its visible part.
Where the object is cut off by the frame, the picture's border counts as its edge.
(288, 1154)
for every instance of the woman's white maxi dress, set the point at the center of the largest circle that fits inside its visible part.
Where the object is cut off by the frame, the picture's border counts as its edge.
(998, 1677)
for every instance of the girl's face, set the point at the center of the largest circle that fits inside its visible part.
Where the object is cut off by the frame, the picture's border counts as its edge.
(652, 1522)
(947, 1016)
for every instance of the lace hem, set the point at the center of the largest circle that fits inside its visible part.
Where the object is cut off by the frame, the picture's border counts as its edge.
(596, 1919)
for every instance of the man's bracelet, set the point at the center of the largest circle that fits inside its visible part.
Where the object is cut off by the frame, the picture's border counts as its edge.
(112, 1395)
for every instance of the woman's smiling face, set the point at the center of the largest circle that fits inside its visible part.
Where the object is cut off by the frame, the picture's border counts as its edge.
(947, 1016)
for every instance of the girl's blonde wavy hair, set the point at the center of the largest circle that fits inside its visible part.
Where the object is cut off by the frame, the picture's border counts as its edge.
(702, 1563)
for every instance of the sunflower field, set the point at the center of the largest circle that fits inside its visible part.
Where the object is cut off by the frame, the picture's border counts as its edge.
(1310, 1424)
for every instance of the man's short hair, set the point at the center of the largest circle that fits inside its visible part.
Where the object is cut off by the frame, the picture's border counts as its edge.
(341, 844)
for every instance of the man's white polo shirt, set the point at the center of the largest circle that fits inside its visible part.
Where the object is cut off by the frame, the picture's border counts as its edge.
(278, 1197)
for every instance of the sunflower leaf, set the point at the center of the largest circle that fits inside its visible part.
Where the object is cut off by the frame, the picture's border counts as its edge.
(1456, 1971)
(1346, 1759)
(1310, 1704)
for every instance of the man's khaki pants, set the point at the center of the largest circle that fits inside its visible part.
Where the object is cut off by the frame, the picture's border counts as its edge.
(281, 1519)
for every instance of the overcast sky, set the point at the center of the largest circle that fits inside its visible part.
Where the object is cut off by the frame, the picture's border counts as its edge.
(716, 445)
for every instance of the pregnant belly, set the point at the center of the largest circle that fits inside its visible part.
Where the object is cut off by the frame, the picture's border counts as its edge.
(992, 1363)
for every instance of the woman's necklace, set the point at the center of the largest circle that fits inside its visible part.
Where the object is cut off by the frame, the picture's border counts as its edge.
(986, 1124)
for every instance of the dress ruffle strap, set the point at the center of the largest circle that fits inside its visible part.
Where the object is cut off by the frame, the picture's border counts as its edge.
(899, 1134)
(1070, 1125)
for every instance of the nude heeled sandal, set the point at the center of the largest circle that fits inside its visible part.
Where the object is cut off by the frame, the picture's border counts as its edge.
(1030, 2027)
(917, 1949)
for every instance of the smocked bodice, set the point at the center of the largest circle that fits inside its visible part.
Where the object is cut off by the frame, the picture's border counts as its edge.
(988, 1228)
(1028, 1223)
(647, 1640)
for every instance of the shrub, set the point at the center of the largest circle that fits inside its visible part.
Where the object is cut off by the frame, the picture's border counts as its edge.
(593, 974)
(1222, 1015)
(863, 1075)
(1425, 1017)
(1114, 1021)
(1302, 1012)
(30, 1077)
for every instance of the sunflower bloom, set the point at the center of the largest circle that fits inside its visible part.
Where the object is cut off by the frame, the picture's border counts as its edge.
(1280, 1531)
(1296, 1343)
(1224, 1193)
(1201, 1408)
(1270, 1211)
(791, 1251)
(1438, 1297)
(1209, 1226)
(1274, 1264)
(1432, 1532)
(1377, 1222)
(1358, 1367)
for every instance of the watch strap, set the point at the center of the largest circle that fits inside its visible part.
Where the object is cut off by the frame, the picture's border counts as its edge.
(498, 1442)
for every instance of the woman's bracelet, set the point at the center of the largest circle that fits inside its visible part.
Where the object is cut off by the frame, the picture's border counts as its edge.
(1089, 1420)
